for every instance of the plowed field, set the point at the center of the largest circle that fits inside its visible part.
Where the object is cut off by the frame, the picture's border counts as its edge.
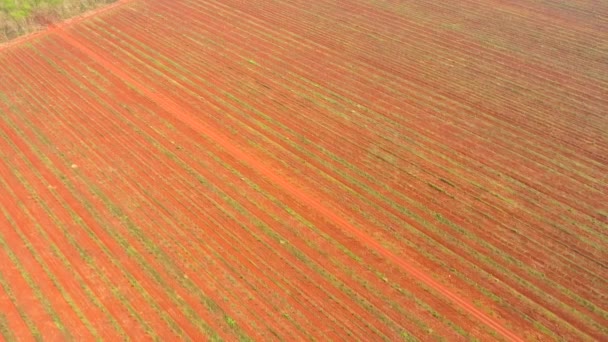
(307, 170)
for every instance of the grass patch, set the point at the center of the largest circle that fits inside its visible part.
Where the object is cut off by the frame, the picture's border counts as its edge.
(19, 17)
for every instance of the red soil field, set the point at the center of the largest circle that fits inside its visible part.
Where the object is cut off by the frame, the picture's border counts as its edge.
(307, 170)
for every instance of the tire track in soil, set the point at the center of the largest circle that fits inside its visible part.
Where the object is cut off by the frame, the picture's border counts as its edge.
(175, 109)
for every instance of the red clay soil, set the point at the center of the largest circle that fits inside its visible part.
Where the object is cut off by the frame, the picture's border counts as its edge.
(303, 170)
